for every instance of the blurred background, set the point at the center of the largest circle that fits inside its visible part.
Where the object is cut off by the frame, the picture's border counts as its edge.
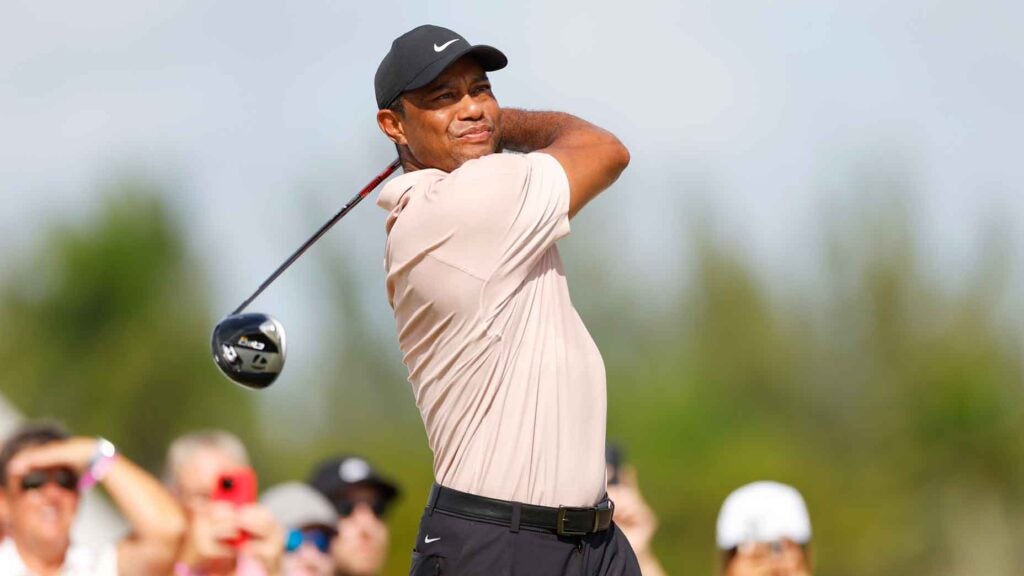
(812, 271)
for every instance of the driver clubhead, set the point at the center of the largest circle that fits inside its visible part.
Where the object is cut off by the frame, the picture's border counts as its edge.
(249, 349)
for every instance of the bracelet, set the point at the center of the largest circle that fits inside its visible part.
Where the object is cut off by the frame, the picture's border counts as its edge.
(99, 465)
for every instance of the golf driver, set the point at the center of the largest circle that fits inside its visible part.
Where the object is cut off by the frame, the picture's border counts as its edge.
(250, 348)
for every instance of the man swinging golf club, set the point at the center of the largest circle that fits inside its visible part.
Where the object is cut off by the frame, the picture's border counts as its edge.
(509, 383)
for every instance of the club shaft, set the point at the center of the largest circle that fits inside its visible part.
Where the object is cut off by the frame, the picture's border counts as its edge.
(323, 230)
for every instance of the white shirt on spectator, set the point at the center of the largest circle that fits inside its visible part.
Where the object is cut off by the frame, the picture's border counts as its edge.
(79, 561)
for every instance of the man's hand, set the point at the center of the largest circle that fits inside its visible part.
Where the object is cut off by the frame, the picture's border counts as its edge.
(636, 520)
(266, 537)
(213, 524)
(632, 514)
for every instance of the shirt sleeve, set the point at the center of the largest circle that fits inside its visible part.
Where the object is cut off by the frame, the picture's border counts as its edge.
(507, 212)
(538, 216)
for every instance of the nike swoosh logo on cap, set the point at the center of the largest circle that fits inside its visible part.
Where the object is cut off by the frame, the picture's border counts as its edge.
(427, 539)
(443, 46)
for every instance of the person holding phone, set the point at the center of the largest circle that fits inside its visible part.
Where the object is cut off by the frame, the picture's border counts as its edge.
(43, 473)
(229, 533)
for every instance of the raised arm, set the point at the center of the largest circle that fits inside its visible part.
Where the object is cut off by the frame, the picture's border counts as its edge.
(592, 157)
(158, 523)
(156, 520)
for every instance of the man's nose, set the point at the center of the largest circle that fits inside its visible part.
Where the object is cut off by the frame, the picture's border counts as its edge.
(469, 108)
(52, 492)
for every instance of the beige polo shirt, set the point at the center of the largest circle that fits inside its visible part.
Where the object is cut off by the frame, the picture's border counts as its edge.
(509, 383)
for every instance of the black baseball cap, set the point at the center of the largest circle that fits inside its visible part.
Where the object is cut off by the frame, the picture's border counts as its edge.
(333, 477)
(420, 55)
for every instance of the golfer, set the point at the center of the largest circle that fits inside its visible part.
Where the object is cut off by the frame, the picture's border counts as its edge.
(509, 383)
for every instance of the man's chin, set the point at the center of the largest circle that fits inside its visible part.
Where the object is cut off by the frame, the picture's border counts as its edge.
(52, 535)
(467, 153)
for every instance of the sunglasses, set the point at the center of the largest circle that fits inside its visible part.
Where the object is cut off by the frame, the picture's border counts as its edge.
(319, 538)
(63, 477)
(345, 508)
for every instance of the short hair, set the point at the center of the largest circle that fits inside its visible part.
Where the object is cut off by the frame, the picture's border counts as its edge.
(35, 433)
(397, 106)
(183, 447)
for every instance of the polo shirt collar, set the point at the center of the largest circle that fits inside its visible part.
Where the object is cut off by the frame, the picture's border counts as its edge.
(393, 191)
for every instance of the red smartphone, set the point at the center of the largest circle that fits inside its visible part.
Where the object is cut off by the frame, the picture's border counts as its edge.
(238, 487)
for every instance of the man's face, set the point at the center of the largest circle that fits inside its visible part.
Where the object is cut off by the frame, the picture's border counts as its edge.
(197, 477)
(361, 545)
(42, 515)
(783, 558)
(450, 121)
(308, 560)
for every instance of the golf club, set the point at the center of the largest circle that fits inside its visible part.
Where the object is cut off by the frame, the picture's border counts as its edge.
(250, 348)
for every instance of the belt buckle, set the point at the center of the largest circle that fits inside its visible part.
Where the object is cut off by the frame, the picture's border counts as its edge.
(560, 528)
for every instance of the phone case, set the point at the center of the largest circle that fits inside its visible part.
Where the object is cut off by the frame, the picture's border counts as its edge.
(237, 487)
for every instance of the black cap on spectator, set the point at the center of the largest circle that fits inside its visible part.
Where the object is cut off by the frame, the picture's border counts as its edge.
(420, 55)
(333, 477)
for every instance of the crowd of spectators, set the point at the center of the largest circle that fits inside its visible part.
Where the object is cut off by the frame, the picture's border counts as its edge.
(205, 519)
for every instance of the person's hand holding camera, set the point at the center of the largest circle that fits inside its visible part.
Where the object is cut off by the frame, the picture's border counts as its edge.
(265, 542)
(214, 524)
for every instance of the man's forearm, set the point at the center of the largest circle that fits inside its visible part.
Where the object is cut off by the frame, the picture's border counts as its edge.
(529, 131)
(592, 157)
(157, 521)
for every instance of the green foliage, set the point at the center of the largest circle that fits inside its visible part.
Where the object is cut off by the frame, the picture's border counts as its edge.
(893, 402)
(106, 330)
(891, 399)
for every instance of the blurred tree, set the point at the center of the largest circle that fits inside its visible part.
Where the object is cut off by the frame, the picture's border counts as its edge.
(891, 400)
(108, 330)
(894, 402)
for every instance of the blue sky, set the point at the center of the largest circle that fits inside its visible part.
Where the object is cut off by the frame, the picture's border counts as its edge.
(260, 115)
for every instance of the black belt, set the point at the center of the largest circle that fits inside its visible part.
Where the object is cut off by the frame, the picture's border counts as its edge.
(564, 520)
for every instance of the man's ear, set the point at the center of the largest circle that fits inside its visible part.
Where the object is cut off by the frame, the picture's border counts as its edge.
(390, 124)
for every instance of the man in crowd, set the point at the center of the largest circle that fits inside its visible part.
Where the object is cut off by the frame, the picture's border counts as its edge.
(43, 471)
(764, 530)
(361, 498)
(224, 538)
(310, 524)
(508, 381)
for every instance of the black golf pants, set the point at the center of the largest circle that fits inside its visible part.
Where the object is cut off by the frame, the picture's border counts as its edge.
(450, 545)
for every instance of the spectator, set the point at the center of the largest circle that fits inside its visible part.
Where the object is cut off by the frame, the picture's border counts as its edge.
(361, 497)
(310, 522)
(43, 471)
(634, 517)
(195, 464)
(764, 529)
